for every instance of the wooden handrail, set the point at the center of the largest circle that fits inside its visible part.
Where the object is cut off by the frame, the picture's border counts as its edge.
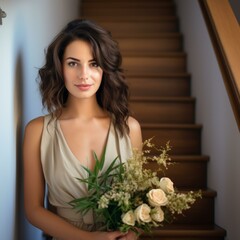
(224, 31)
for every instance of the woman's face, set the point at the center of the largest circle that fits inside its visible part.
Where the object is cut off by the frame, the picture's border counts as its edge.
(82, 75)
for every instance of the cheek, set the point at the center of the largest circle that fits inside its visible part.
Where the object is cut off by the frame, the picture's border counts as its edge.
(64, 73)
(98, 76)
(67, 75)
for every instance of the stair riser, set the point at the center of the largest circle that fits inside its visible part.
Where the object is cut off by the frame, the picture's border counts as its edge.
(183, 141)
(185, 174)
(180, 238)
(179, 232)
(147, 66)
(163, 112)
(163, 2)
(150, 45)
(159, 87)
(201, 213)
(128, 4)
(128, 18)
(139, 11)
(143, 29)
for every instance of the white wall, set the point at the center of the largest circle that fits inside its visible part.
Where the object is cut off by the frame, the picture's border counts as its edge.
(220, 136)
(26, 31)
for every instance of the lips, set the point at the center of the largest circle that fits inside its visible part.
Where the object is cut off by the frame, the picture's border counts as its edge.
(83, 87)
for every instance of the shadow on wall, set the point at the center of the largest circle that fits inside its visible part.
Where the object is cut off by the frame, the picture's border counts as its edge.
(236, 8)
(18, 121)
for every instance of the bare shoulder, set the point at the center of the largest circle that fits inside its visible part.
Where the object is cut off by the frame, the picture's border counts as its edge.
(32, 140)
(135, 133)
(35, 126)
(133, 124)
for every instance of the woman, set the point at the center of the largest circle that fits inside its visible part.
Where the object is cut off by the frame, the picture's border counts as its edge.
(85, 92)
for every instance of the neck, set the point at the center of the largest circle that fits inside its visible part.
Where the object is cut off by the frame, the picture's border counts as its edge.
(86, 108)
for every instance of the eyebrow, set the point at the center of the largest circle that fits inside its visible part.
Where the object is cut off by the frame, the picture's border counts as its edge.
(72, 58)
(75, 59)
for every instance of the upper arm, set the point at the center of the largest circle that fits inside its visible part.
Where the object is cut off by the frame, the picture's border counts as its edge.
(135, 133)
(33, 174)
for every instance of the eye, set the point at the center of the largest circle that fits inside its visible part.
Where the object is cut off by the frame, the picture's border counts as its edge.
(94, 64)
(72, 64)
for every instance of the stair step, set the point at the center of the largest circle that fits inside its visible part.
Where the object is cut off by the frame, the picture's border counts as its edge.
(186, 232)
(128, 10)
(163, 109)
(127, 4)
(171, 42)
(185, 171)
(185, 139)
(201, 212)
(125, 1)
(164, 85)
(133, 10)
(143, 53)
(153, 66)
(141, 29)
(128, 18)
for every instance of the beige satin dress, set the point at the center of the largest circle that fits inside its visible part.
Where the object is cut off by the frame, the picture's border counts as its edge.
(61, 168)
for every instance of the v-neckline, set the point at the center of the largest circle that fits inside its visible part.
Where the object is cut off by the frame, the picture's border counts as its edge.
(69, 149)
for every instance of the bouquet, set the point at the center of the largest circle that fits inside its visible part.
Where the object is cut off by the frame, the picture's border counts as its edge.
(130, 196)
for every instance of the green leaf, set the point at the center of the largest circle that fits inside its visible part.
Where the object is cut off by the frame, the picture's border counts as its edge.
(102, 161)
(87, 170)
(111, 167)
(99, 163)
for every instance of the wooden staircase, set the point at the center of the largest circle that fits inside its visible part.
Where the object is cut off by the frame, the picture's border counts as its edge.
(155, 66)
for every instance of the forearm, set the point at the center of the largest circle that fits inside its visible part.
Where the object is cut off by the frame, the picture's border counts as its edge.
(55, 225)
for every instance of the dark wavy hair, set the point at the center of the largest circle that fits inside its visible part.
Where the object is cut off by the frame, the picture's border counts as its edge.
(113, 93)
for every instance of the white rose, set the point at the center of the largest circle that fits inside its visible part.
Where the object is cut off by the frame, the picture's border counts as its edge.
(157, 214)
(166, 185)
(142, 213)
(129, 218)
(157, 198)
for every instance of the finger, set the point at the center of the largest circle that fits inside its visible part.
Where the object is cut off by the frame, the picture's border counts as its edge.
(119, 235)
(122, 237)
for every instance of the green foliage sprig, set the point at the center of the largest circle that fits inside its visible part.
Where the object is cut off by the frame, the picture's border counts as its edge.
(128, 196)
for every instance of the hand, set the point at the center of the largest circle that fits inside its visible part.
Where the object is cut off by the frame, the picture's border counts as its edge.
(109, 236)
(130, 235)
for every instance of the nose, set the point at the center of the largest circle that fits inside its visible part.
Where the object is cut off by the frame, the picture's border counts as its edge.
(83, 73)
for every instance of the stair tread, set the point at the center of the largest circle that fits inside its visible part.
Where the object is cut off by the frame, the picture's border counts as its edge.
(163, 75)
(206, 192)
(110, 1)
(189, 158)
(150, 74)
(134, 7)
(161, 35)
(162, 18)
(165, 126)
(153, 54)
(160, 3)
(135, 18)
(162, 99)
(127, 3)
(188, 231)
(161, 55)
